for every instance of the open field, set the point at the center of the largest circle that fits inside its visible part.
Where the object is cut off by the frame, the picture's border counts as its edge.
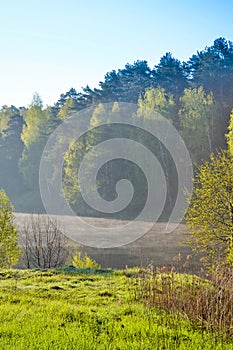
(83, 309)
(156, 246)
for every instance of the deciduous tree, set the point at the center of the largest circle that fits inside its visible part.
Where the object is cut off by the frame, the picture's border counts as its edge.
(210, 213)
(44, 244)
(9, 250)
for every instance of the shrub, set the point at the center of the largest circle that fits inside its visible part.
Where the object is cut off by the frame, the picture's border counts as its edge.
(9, 250)
(207, 301)
(85, 261)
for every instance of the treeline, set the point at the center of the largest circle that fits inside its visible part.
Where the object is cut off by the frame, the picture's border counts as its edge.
(196, 96)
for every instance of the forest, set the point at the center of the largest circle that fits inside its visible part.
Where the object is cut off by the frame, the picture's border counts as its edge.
(195, 96)
(163, 296)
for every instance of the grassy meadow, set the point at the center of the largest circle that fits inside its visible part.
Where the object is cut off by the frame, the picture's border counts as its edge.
(109, 309)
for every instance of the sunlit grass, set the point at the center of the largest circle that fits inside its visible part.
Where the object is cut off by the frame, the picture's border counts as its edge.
(88, 309)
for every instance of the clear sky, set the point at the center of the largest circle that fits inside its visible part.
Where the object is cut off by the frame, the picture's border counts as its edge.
(49, 46)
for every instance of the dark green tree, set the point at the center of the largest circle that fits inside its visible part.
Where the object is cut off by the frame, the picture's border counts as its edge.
(124, 86)
(213, 68)
(80, 99)
(170, 74)
(11, 148)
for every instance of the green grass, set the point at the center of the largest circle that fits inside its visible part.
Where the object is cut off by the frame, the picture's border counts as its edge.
(86, 309)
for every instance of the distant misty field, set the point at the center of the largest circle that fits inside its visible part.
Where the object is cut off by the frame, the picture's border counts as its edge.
(156, 247)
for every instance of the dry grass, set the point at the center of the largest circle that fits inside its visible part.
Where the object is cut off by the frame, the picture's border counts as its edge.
(206, 300)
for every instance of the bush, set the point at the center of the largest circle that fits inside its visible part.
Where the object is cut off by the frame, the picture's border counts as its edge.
(9, 250)
(207, 301)
(85, 261)
(44, 245)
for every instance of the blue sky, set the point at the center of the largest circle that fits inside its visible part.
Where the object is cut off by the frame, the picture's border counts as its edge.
(49, 46)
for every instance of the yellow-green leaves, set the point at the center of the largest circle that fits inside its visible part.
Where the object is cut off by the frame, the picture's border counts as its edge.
(229, 136)
(85, 261)
(198, 115)
(9, 250)
(210, 214)
(156, 100)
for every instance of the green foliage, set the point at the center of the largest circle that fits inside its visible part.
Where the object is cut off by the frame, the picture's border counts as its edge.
(11, 147)
(125, 85)
(170, 74)
(35, 120)
(33, 145)
(210, 214)
(34, 135)
(9, 250)
(5, 114)
(85, 261)
(230, 134)
(195, 96)
(69, 108)
(155, 104)
(198, 121)
(36, 101)
(212, 68)
(157, 100)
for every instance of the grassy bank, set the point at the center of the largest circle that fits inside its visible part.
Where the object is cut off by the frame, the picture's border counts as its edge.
(83, 309)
